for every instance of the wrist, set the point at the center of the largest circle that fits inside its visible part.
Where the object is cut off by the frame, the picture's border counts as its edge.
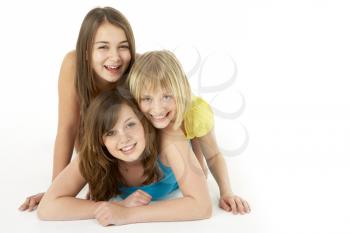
(227, 192)
(129, 215)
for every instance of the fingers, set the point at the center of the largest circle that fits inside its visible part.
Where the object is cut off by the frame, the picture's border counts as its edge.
(142, 196)
(102, 215)
(137, 198)
(239, 205)
(32, 204)
(224, 205)
(233, 205)
(25, 205)
(246, 206)
(236, 204)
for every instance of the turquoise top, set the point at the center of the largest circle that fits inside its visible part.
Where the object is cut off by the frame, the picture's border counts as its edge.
(157, 190)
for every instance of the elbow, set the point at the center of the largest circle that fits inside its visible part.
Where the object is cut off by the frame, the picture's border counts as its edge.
(206, 211)
(42, 215)
(43, 212)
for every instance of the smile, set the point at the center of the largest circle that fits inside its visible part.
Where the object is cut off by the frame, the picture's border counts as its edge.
(128, 149)
(113, 68)
(159, 118)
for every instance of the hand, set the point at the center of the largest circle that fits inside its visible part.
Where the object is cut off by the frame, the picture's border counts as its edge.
(111, 213)
(234, 204)
(31, 202)
(137, 198)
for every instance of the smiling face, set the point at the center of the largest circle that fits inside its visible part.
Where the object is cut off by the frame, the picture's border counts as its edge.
(126, 140)
(110, 54)
(159, 107)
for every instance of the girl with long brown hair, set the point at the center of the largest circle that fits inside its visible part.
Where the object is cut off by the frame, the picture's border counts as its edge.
(119, 156)
(104, 53)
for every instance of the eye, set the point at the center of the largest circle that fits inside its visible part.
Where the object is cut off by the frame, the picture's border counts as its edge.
(103, 47)
(125, 46)
(110, 133)
(130, 124)
(146, 99)
(167, 97)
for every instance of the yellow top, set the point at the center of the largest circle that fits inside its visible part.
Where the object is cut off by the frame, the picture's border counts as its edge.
(199, 119)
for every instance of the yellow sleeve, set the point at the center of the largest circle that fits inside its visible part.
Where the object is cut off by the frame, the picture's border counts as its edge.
(199, 119)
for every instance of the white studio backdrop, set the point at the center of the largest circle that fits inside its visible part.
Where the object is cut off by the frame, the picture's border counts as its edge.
(276, 73)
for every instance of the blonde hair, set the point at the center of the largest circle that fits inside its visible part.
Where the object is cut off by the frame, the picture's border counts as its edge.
(161, 69)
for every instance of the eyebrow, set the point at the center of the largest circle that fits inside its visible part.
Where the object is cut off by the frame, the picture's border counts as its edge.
(106, 42)
(130, 118)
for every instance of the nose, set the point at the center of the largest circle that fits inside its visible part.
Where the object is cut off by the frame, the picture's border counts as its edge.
(114, 55)
(124, 137)
(157, 107)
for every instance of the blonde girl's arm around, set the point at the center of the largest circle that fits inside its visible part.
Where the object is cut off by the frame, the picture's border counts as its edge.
(217, 166)
(194, 205)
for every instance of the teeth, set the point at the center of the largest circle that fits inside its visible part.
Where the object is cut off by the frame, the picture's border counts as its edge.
(127, 148)
(112, 67)
(158, 117)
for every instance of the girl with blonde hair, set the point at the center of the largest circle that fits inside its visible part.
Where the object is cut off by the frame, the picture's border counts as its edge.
(160, 86)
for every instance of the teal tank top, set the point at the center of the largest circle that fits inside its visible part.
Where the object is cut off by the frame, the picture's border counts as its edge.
(157, 190)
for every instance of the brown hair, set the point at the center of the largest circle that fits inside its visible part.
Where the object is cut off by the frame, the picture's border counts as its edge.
(97, 165)
(161, 69)
(85, 76)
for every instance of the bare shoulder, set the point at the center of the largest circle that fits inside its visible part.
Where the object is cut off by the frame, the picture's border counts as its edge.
(67, 74)
(68, 96)
(68, 67)
(174, 143)
(70, 57)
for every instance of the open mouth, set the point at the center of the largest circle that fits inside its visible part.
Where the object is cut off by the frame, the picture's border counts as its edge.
(128, 149)
(113, 68)
(160, 117)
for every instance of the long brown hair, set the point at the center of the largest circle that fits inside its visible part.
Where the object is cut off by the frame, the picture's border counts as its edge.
(97, 165)
(85, 76)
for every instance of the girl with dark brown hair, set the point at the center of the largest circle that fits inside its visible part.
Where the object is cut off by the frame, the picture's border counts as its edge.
(119, 156)
(104, 53)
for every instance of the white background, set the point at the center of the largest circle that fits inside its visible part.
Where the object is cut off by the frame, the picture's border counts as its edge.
(292, 60)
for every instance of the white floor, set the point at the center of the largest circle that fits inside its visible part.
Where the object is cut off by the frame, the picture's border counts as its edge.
(292, 59)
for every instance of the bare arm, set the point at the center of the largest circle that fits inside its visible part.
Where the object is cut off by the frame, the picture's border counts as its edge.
(215, 161)
(60, 203)
(195, 203)
(68, 118)
(68, 123)
(217, 165)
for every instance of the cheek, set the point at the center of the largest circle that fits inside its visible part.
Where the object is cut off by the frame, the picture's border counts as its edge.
(144, 108)
(126, 56)
(97, 57)
(172, 106)
(141, 137)
(108, 145)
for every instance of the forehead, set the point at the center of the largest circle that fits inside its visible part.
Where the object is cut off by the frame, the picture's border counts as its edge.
(154, 90)
(109, 32)
(125, 113)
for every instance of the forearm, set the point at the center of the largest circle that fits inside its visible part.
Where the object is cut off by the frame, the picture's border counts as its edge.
(181, 209)
(63, 151)
(218, 169)
(66, 208)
